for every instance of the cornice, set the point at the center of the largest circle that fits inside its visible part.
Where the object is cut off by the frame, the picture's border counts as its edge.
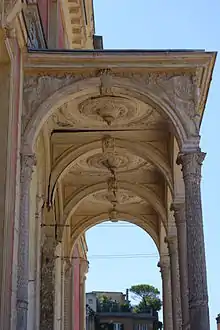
(200, 63)
(78, 18)
(165, 60)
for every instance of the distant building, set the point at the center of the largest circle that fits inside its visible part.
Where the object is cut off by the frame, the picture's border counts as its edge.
(218, 321)
(119, 315)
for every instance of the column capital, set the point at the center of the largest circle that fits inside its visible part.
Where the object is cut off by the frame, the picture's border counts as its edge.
(191, 163)
(164, 265)
(171, 241)
(28, 162)
(179, 210)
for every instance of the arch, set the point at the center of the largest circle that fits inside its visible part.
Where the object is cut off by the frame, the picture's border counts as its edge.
(90, 87)
(86, 224)
(144, 192)
(148, 153)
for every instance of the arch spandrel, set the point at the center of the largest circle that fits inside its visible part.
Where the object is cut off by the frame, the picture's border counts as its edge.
(162, 97)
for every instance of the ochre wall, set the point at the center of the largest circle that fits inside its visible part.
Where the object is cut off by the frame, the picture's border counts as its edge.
(10, 95)
(43, 8)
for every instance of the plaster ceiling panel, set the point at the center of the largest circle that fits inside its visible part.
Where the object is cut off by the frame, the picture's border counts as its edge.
(88, 209)
(122, 161)
(123, 197)
(106, 112)
(58, 149)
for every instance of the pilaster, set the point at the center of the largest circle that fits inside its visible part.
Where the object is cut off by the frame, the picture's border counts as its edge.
(67, 295)
(179, 215)
(164, 265)
(28, 161)
(175, 281)
(47, 291)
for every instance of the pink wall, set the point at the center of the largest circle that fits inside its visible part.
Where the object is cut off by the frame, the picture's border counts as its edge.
(43, 8)
(61, 39)
(76, 284)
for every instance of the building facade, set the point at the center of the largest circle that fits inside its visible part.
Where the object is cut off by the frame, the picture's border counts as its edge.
(86, 135)
(119, 315)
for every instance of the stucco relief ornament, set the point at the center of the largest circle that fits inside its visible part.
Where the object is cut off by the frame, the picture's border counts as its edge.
(109, 156)
(113, 215)
(38, 88)
(105, 82)
(179, 91)
(112, 190)
(63, 113)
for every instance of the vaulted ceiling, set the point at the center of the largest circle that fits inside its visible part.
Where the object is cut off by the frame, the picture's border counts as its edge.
(110, 159)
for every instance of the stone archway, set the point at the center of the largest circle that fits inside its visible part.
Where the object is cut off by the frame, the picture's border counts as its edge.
(108, 133)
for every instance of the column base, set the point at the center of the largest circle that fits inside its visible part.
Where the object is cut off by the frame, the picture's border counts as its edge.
(22, 310)
(199, 318)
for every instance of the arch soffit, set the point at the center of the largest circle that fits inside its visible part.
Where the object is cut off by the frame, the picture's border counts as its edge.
(149, 153)
(90, 87)
(144, 192)
(86, 224)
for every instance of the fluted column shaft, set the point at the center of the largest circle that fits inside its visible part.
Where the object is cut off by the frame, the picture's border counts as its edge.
(164, 265)
(175, 282)
(197, 279)
(47, 290)
(28, 161)
(179, 215)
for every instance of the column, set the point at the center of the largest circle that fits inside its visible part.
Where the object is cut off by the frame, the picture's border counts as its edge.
(47, 290)
(28, 161)
(83, 304)
(175, 281)
(83, 272)
(164, 265)
(67, 295)
(179, 215)
(197, 280)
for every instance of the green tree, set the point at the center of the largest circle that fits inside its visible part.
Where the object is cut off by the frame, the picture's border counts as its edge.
(148, 296)
(104, 303)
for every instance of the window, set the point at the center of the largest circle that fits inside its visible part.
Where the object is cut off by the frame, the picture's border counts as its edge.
(141, 327)
(90, 301)
(118, 326)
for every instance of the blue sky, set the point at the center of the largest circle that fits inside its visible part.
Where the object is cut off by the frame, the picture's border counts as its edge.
(162, 24)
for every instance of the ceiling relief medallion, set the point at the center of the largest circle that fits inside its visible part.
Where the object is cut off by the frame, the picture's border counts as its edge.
(111, 110)
(121, 161)
(124, 197)
(106, 112)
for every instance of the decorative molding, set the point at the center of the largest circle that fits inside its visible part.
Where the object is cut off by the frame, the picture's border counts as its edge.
(124, 197)
(35, 33)
(109, 110)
